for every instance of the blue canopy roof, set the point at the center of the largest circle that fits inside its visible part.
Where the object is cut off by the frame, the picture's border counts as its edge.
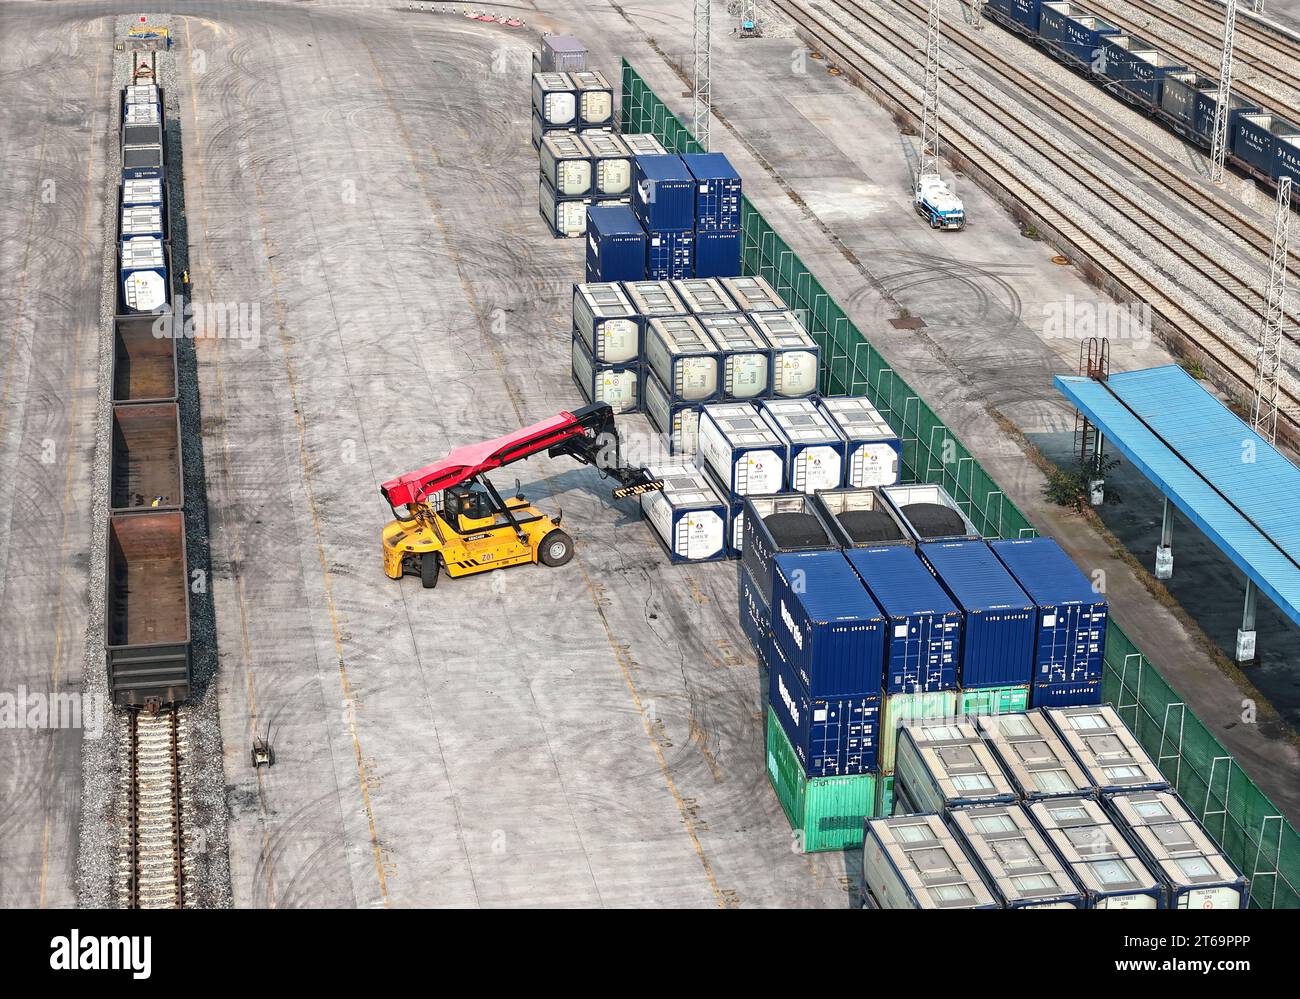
(1231, 483)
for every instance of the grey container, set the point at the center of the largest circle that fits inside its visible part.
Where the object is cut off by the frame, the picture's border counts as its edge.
(555, 99)
(944, 764)
(566, 164)
(611, 164)
(643, 144)
(605, 320)
(684, 357)
(654, 299)
(567, 217)
(1033, 755)
(142, 134)
(796, 358)
(753, 294)
(915, 862)
(143, 114)
(746, 356)
(704, 296)
(1103, 863)
(1016, 862)
(1106, 750)
(595, 99)
(562, 54)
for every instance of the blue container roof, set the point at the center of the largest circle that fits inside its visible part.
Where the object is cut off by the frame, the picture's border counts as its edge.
(832, 590)
(710, 166)
(899, 581)
(611, 220)
(1045, 572)
(973, 574)
(659, 166)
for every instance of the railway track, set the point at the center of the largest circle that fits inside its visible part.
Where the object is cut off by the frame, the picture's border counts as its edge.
(1269, 56)
(1098, 243)
(153, 869)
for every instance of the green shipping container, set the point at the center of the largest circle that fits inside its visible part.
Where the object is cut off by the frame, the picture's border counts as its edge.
(827, 811)
(993, 700)
(902, 708)
(884, 797)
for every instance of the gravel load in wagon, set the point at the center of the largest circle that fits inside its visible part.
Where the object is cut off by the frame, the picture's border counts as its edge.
(796, 530)
(933, 520)
(870, 526)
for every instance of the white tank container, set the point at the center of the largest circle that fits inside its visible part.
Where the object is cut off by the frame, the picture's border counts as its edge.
(753, 294)
(796, 356)
(555, 98)
(607, 323)
(565, 164)
(567, 217)
(141, 220)
(595, 98)
(1103, 862)
(873, 452)
(145, 191)
(814, 450)
(741, 449)
(684, 357)
(611, 163)
(746, 356)
(643, 144)
(914, 862)
(1014, 858)
(144, 273)
(687, 515)
(704, 296)
(654, 299)
(617, 384)
(143, 114)
(678, 422)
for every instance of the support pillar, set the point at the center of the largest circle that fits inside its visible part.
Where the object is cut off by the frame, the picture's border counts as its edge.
(1097, 485)
(1165, 550)
(1246, 633)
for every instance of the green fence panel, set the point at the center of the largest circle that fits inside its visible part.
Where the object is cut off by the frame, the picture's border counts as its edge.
(1245, 823)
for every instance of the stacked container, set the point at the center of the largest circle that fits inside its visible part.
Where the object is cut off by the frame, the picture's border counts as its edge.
(616, 383)
(561, 54)
(611, 171)
(814, 451)
(565, 165)
(785, 522)
(717, 214)
(1106, 750)
(1033, 756)
(743, 455)
(595, 99)
(873, 452)
(663, 197)
(615, 244)
(606, 323)
(687, 516)
(914, 862)
(944, 764)
(930, 514)
(1102, 862)
(998, 638)
(684, 358)
(824, 685)
(746, 356)
(566, 216)
(861, 518)
(1070, 640)
(753, 294)
(643, 144)
(1014, 859)
(796, 358)
(704, 297)
(1194, 872)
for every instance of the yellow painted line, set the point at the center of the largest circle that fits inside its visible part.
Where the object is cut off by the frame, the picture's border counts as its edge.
(362, 773)
(436, 214)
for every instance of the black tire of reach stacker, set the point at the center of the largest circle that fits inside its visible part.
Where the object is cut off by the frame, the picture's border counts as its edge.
(430, 563)
(556, 548)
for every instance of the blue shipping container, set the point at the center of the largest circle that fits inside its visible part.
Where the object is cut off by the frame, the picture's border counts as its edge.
(799, 525)
(1206, 103)
(1065, 695)
(827, 625)
(1073, 33)
(831, 736)
(923, 636)
(1016, 13)
(670, 256)
(717, 254)
(663, 193)
(755, 617)
(1136, 68)
(616, 244)
(998, 632)
(1253, 139)
(1071, 639)
(717, 192)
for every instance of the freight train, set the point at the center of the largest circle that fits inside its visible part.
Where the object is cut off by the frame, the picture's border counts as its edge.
(147, 612)
(1261, 143)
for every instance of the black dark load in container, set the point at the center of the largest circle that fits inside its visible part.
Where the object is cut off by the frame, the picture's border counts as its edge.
(870, 527)
(932, 520)
(861, 518)
(785, 522)
(796, 530)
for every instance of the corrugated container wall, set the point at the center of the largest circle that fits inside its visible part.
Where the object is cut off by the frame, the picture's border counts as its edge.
(780, 523)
